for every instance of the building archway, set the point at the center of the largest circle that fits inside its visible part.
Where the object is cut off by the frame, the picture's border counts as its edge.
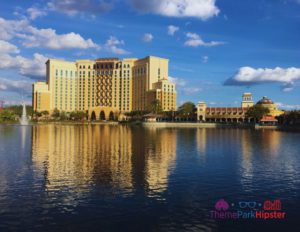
(102, 115)
(111, 116)
(93, 116)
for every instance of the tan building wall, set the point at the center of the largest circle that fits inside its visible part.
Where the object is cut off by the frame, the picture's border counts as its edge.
(41, 97)
(166, 94)
(109, 84)
(146, 72)
(62, 80)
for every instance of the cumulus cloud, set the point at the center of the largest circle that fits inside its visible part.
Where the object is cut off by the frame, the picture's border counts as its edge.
(182, 86)
(172, 29)
(287, 106)
(112, 44)
(6, 47)
(74, 7)
(33, 68)
(10, 28)
(147, 37)
(47, 38)
(195, 40)
(17, 86)
(35, 12)
(247, 76)
(202, 9)
(177, 81)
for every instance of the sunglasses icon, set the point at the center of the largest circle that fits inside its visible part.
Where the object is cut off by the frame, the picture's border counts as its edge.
(249, 204)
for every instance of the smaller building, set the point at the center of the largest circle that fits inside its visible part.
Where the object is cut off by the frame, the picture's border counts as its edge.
(165, 92)
(41, 97)
(153, 117)
(273, 108)
(225, 114)
(268, 121)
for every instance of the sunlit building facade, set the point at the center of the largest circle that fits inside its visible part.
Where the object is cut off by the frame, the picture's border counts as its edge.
(105, 87)
(235, 114)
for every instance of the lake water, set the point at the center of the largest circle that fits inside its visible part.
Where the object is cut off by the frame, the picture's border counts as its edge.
(130, 178)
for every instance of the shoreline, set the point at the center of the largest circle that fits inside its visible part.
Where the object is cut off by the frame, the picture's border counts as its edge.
(166, 125)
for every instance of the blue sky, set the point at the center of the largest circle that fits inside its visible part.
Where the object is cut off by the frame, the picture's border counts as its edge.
(217, 49)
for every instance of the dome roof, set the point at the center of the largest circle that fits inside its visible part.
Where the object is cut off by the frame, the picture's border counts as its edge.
(265, 100)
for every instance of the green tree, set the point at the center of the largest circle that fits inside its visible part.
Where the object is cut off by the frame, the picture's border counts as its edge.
(155, 106)
(45, 112)
(257, 112)
(55, 113)
(292, 117)
(7, 115)
(77, 115)
(63, 115)
(187, 110)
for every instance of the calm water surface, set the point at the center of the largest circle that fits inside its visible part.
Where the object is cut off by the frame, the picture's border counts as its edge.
(122, 178)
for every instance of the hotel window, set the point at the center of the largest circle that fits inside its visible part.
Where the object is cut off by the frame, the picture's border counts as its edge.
(61, 73)
(66, 73)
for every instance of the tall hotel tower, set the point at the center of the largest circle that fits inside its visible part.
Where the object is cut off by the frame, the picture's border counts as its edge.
(105, 86)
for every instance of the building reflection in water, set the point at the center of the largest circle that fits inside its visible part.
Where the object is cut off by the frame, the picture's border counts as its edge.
(80, 159)
(266, 144)
(160, 158)
(201, 140)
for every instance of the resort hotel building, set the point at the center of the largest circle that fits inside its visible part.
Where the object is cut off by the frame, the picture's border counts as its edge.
(105, 87)
(235, 114)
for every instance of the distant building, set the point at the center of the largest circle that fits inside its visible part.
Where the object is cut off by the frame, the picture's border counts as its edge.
(225, 114)
(236, 114)
(105, 87)
(273, 108)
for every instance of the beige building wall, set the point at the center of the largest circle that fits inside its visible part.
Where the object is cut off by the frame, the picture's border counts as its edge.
(41, 97)
(165, 92)
(109, 83)
(147, 71)
(85, 96)
(62, 80)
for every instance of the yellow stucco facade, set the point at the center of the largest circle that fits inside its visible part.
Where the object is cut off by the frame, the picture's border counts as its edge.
(273, 108)
(104, 84)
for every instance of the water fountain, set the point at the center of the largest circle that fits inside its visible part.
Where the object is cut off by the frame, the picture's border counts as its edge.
(24, 120)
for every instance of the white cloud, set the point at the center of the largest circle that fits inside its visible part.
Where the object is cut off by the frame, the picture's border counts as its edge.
(47, 38)
(202, 9)
(112, 44)
(74, 7)
(287, 106)
(250, 76)
(177, 81)
(191, 90)
(147, 37)
(10, 28)
(195, 40)
(33, 68)
(172, 29)
(6, 47)
(35, 12)
(18, 86)
(205, 59)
